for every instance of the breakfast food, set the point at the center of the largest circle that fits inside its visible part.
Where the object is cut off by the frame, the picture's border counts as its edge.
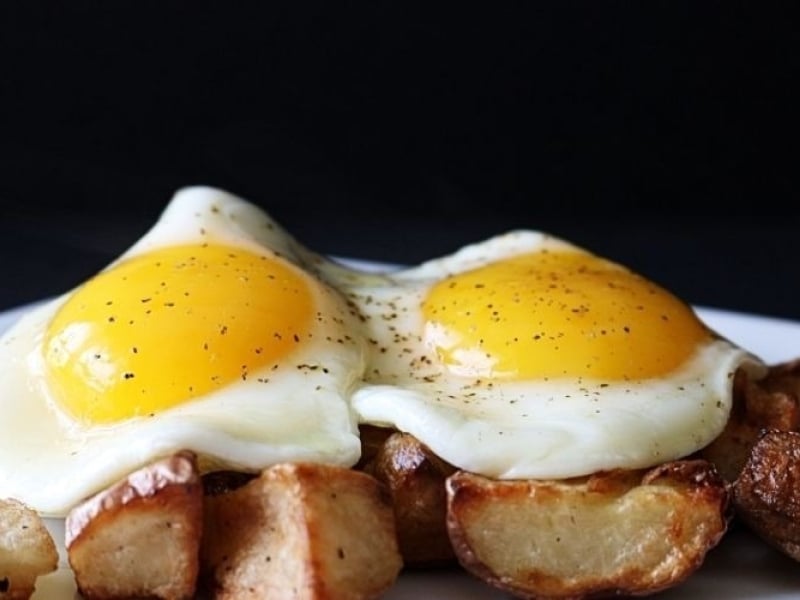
(766, 492)
(140, 538)
(769, 403)
(415, 478)
(302, 530)
(514, 370)
(27, 551)
(524, 356)
(611, 534)
(202, 336)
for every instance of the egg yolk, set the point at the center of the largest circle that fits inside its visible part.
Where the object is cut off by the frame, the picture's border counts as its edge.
(559, 314)
(161, 328)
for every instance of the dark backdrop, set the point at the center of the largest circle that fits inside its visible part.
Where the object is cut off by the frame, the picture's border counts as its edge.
(657, 133)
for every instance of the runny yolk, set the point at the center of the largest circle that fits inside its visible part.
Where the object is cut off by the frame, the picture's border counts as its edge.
(161, 328)
(559, 314)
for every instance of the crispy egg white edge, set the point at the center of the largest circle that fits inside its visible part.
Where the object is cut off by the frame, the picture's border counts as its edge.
(57, 462)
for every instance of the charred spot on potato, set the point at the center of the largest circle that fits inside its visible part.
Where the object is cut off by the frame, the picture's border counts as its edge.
(766, 496)
(220, 482)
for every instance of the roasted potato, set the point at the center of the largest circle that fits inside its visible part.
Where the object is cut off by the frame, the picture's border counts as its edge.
(301, 531)
(766, 496)
(769, 403)
(140, 538)
(27, 550)
(614, 533)
(415, 478)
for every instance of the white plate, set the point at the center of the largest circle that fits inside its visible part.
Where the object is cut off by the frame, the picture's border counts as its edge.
(741, 567)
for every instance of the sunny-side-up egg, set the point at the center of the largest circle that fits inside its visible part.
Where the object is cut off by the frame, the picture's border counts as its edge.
(207, 334)
(524, 356)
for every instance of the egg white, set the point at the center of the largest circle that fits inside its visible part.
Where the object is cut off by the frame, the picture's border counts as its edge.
(51, 462)
(387, 374)
(526, 428)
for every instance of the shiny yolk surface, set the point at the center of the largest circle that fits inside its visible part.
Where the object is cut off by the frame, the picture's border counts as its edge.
(559, 314)
(161, 328)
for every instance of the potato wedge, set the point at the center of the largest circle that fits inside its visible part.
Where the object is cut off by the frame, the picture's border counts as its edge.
(415, 478)
(140, 538)
(616, 533)
(766, 497)
(770, 403)
(301, 531)
(27, 550)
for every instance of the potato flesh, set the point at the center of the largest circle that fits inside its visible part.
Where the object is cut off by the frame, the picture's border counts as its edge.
(140, 538)
(27, 550)
(301, 531)
(573, 539)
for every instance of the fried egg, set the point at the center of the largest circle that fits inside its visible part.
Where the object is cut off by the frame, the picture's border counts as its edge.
(520, 356)
(207, 334)
(525, 356)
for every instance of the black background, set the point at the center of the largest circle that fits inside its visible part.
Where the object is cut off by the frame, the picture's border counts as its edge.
(659, 134)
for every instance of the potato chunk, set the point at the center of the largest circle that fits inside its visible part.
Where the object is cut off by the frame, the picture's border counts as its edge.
(415, 478)
(769, 403)
(767, 494)
(27, 550)
(301, 531)
(623, 532)
(140, 538)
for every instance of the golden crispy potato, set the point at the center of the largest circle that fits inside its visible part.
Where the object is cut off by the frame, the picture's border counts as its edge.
(770, 403)
(767, 494)
(140, 538)
(415, 478)
(623, 532)
(27, 550)
(302, 531)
